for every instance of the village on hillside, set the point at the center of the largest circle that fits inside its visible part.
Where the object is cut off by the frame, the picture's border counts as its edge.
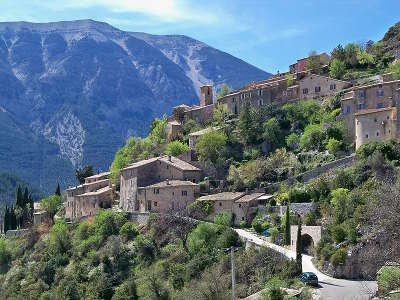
(300, 199)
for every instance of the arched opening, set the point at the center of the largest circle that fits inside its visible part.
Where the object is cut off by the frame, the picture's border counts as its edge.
(307, 244)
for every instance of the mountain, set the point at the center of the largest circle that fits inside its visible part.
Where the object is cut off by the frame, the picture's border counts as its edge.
(72, 92)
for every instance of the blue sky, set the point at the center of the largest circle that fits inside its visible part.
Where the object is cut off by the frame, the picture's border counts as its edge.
(268, 34)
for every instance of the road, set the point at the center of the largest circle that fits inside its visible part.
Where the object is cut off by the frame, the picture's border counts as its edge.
(329, 288)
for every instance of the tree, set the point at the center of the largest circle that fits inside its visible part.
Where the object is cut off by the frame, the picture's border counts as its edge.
(82, 173)
(338, 53)
(395, 70)
(337, 69)
(273, 134)
(225, 90)
(210, 145)
(222, 219)
(365, 59)
(289, 79)
(287, 226)
(51, 205)
(176, 148)
(5, 254)
(220, 114)
(292, 141)
(13, 219)
(312, 137)
(59, 239)
(334, 146)
(58, 192)
(245, 125)
(313, 63)
(351, 51)
(19, 201)
(299, 247)
(6, 219)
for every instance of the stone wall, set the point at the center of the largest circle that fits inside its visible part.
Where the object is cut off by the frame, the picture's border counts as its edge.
(314, 231)
(16, 233)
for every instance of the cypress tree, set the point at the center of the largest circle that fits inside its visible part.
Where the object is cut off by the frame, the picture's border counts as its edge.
(58, 192)
(298, 248)
(287, 226)
(19, 201)
(31, 205)
(6, 220)
(25, 197)
(13, 219)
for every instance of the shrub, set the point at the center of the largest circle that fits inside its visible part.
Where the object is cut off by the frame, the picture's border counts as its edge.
(312, 137)
(389, 279)
(326, 252)
(310, 219)
(5, 254)
(298, 196)
(128, 231)
(257, 225)
(334, 146)
(244, 224)
(222, 219)
(337, 69)
(339, 257)
(274, 235)
(338, 233)
(227, 238)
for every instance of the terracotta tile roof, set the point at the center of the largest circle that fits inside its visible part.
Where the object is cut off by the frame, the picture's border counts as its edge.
(374, 110)
(249, 197)
(225, 196)
(169, 183)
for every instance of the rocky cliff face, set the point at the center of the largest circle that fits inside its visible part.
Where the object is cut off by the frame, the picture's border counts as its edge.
(72, 92)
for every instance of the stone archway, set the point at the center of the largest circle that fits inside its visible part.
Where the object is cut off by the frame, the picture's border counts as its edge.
(310, 236)
(307, 244)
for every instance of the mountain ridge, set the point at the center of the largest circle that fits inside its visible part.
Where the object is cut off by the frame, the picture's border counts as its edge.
(80, 88)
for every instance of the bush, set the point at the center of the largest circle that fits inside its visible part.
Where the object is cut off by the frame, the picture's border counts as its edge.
(298, 196)
(389, 279)
(334, 146)
(312, 137)
(244, 224)
(310, 219)
(338, 233)
(339, 257)
(222, 219)
(128, 231)
(274, 235)
(259, 225)
(5, 254)
(326, 252)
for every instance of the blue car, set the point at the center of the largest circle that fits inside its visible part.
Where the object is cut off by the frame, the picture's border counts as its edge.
(309, 278)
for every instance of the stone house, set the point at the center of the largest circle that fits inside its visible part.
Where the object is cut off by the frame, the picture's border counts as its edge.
(167, 196)
(314, 86)
(361, 104)
(151, 171)
(236, 204)
(86, 199)
(276, 91)
(194, 136)
(301, 64)
(97, 177)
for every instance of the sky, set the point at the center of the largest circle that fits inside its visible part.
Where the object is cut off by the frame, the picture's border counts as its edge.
(268, 34)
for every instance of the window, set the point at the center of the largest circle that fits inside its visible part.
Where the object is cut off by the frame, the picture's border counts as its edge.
(167, 167)
(375, 120)
(155, 203)
(242, 218)
(317, 89)
(260, 92)
(361, 94)
(220, 204)
(348, 109)
(377, 133)
(305, 91)
(366, 136)
(387, 117)
(184, 193)
(156, 191)
(379, 105)
(379, 93)
(332, 87)
(260, 102)
(194, 180)
(233, 99)
(240, 205)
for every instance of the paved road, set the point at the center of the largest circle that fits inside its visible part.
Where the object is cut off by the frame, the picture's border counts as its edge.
(330, 288)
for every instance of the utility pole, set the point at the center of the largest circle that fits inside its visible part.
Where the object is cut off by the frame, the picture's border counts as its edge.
(233, 272)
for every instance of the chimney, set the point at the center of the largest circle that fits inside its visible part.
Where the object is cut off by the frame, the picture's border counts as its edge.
(167, 181)
(169, 158)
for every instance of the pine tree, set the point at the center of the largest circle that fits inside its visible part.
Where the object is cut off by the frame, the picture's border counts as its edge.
(287, 226)
(25, 217)
(298, 248)
(31, 205)
(58, 192)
